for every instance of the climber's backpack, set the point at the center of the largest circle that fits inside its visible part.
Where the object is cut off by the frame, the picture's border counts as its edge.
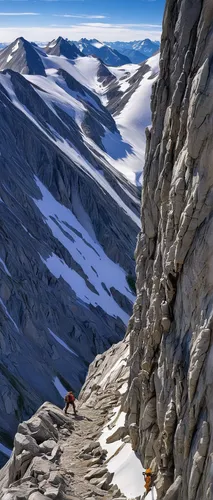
(69, 398)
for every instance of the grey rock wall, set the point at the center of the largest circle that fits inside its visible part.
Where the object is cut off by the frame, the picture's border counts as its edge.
(171, 368)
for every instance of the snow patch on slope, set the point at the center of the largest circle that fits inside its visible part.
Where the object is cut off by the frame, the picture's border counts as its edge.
(88, 253)
(97, 44)
(52, 44)
(6, 451)
(4, 267)
(122, 461)
(128, 472)
(14, 49)
(123, 74)
(83, 69)
(8, 315)
(62, 343)
(117, 420)
(59, 386)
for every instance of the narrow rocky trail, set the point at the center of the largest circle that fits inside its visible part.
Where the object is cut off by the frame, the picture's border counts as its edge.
(78, 457)
(83, 460)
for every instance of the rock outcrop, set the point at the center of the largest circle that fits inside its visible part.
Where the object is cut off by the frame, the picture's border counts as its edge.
(33, 470)
(171, 383)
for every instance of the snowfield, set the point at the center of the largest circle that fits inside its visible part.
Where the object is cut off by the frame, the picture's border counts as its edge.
(134, 118)
(132, 124)
(14, 49)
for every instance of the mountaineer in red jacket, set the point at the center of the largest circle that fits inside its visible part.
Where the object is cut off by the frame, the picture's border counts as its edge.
(70, 400)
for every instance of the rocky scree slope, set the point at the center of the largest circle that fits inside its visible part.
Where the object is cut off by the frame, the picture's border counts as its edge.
(68, 226)
(171, 370)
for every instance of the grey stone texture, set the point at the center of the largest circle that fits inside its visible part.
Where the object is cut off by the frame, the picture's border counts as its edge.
(171, 374)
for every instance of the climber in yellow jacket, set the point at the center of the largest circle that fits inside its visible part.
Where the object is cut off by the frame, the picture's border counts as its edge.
(148, 480)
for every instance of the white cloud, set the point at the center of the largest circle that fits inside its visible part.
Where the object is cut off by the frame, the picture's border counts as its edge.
(121, 26)
(81, 16)
(101, 31)
(19, 14)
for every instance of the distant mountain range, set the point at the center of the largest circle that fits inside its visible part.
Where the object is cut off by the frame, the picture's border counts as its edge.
(137, 51)
(111, 53)
(119, 53)
(108, 55)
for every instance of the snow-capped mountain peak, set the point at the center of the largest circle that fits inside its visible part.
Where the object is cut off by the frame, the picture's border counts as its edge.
(62, 47)
(23, 57)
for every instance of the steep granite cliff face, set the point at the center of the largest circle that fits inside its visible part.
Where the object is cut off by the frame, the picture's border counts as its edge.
(171, 379)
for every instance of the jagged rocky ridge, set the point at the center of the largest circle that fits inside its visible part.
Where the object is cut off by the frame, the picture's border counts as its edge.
(170, 394)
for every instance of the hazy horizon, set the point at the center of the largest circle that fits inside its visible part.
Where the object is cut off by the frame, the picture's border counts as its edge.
(45, 42)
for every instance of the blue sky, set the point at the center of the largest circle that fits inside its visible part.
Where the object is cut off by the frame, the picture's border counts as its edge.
(107, 20)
